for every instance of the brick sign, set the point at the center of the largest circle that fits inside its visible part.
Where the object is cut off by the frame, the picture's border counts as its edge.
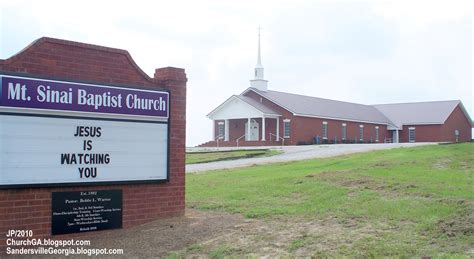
(88, 140)
(57, 132)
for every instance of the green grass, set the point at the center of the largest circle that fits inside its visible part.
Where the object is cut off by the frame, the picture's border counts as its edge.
(222, 252)
(205, 157)
(424, 186)
(297, 243)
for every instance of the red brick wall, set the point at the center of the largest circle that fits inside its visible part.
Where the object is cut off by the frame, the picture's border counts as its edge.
(457, 120)
(442, 132)
(30, 208)
(285, 115)
(236, 129)
(306, 128)
(423, 133)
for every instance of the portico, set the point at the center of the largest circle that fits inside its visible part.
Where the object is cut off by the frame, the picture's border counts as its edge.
(241, 118)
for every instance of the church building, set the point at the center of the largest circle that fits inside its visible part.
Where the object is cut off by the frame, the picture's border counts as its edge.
(263, 117)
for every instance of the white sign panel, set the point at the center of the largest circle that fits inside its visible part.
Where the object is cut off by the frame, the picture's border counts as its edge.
(70, 133)
(42, 150)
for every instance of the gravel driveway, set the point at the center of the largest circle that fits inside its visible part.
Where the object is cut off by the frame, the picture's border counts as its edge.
(292, 153)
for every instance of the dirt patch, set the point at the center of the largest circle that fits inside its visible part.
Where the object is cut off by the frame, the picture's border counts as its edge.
(215, 234)
(383, 164)
(344, 179)
(341, 178)
(459, 225)
(158, 238)
(201, 234)
(441, 164)
(284, 237)
(467, 165)
(365, 183)
(328, 173)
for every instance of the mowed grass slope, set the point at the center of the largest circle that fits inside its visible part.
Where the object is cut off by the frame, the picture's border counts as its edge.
(213, 156)
(419, 201)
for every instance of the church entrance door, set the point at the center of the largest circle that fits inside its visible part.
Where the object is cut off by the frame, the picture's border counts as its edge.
(254, 130)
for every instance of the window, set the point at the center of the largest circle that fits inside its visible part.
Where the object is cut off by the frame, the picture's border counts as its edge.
(411, 134)
(325, 129)
(361, 133)
(286, 128)
(344, 131)
(220, 130)
(376, 133)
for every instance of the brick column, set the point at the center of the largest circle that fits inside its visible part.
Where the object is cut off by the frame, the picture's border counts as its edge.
(175, 80)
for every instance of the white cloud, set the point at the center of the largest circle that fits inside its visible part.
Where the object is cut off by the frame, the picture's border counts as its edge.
(367, 52)
(416, 14)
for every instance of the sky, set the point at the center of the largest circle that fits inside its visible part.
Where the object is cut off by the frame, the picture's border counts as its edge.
(367, 52)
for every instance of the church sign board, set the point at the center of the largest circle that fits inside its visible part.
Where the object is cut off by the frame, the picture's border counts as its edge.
(57, 133)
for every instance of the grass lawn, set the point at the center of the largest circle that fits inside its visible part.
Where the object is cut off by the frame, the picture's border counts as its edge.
(204, 157)
(401, 202)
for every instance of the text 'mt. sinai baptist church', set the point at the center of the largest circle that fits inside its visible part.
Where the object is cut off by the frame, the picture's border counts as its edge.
(262, 117)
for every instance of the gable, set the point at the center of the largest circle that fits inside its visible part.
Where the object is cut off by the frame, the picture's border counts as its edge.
(421, 113)
(239, 108)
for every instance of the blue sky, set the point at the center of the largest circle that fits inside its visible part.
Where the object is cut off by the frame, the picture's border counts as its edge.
(360, 51)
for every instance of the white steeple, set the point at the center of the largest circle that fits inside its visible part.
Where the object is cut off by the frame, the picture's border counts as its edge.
(258, 82)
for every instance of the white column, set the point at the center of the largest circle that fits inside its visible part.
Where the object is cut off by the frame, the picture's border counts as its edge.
(213, 130)
(397, 137)
(226, 130)
(278, 129)
(263, 128)
(248, 130)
